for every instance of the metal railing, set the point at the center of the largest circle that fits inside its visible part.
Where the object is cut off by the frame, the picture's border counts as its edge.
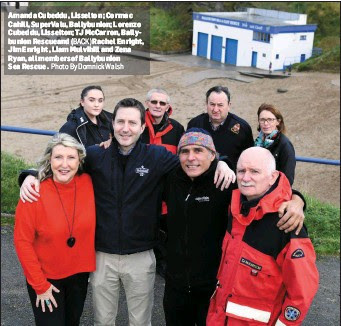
(50, 133)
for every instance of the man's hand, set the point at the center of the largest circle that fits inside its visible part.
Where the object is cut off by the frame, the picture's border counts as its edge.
(291, 215)
(29, 190)
(106, 144)
(223, 176)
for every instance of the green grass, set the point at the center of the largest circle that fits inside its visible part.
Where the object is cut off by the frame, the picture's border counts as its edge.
(328, 62)
(322, 220)
(10, 168)
(323, 223)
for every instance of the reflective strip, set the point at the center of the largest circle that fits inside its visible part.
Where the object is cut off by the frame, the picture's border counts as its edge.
(279, 323)
(248, 312)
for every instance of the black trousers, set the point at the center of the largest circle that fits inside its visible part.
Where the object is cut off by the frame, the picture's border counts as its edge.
(70, 301)
(184, 308)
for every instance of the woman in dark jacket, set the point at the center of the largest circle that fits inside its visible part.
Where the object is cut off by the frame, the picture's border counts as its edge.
(271, 135)
(89, 123)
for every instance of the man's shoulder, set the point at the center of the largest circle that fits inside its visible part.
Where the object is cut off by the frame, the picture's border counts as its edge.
(96, 151)
(237, 119)
(198, 121)
(176, 123)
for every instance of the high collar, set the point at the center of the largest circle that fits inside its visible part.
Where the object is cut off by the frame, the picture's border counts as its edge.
(247, 211)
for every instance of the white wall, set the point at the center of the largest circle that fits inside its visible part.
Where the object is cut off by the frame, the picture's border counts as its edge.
(287, 45)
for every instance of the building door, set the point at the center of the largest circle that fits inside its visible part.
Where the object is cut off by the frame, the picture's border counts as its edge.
(231, 51)
(216, 48)
(202, 45)
(254, 59)
(302, 57)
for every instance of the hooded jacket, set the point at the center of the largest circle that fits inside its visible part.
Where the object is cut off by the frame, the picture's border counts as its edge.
(85, 131)
(266, 276)
(196, 222)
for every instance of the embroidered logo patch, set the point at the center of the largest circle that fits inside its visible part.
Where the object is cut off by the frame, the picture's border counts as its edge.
(249, 263)
(142, 171)
(202, 199)
(236, 128)
(291, 313)
(298, 253)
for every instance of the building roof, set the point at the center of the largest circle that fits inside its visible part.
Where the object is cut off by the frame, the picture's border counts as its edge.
(269, 21)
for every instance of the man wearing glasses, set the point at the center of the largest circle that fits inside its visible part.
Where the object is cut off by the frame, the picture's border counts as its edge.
(165, 131)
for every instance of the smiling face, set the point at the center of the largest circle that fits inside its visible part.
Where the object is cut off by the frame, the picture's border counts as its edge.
(218, 107)
(195, 160)
(64, 163)
(157, 105)
(267, 122)
(93, 104)
(255, 173)
(127, 127)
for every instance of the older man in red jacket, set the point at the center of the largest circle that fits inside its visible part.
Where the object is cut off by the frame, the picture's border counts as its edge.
(266, 277)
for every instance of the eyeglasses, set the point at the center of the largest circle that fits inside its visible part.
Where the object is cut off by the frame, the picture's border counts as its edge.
(269, 120)
(162, 103)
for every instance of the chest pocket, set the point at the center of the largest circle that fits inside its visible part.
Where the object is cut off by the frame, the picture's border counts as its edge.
(258, 276)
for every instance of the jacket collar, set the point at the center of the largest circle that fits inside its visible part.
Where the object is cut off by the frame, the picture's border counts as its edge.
(247, 211)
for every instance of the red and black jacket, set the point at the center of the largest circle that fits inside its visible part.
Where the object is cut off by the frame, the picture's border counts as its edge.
(266, 276)
(167, 133)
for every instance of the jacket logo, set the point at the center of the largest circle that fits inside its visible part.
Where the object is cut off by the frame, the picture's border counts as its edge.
(249, 263)
(298, 253)
(236, 128)
(202, 199)
(291, 313)
(81, 119)
(142, 171)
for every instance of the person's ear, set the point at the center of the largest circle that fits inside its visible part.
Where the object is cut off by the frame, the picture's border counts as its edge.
(274, 176)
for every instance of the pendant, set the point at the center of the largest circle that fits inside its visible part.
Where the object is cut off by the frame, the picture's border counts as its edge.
(71, 242)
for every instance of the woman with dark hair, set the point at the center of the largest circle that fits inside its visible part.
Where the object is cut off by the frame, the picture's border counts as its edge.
(271, 135)
(89, 123)
(54, 237)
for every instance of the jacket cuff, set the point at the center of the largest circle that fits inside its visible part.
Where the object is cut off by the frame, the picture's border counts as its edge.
(24, 173)
(296, 192)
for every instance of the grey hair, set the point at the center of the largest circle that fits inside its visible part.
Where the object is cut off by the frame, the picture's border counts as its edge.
(44, 163)
(269, 160)
(157, 90)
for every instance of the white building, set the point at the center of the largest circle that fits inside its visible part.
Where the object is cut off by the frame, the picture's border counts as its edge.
(253, 38)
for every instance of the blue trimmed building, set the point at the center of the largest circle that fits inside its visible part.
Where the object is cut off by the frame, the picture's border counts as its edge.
(253, 38)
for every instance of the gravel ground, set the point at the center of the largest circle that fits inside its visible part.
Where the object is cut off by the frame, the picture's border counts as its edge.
(16, 309)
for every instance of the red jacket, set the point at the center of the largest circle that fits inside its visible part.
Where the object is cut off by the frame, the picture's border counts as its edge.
(266, 276)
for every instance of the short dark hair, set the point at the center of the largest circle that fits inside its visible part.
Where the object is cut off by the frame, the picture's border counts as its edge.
(219, 89)
(130, 103)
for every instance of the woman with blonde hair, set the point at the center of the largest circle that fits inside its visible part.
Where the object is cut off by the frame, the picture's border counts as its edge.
(272, 136)
(54, 236)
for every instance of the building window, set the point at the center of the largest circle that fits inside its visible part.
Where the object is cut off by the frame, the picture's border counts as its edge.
(261, 37)
(277, 56)
(303, 37)
(264, 55)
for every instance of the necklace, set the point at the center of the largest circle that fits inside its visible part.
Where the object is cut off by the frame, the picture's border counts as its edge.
(71, 240)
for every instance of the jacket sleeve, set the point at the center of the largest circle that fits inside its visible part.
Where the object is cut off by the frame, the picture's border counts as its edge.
(24, 235)
(70, 129)
(287, 161)
(169, 161)
(300, 277)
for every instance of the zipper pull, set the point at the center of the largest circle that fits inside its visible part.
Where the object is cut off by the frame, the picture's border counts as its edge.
(187, 197)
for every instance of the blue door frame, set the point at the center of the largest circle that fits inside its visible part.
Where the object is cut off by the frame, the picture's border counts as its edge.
(202, 45)
(254, 59)
(231, 51)
(216, 48)
(302, 57)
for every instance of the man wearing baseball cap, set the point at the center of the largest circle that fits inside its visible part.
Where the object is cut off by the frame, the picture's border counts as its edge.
(196, 222)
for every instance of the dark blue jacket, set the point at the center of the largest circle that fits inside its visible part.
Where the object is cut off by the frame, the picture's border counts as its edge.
(128, 200)
(86, 132)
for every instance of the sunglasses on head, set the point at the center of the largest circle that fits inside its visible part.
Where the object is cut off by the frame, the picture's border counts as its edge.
(162, 103)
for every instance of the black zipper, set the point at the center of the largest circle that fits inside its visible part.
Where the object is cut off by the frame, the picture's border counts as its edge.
(186, 238)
